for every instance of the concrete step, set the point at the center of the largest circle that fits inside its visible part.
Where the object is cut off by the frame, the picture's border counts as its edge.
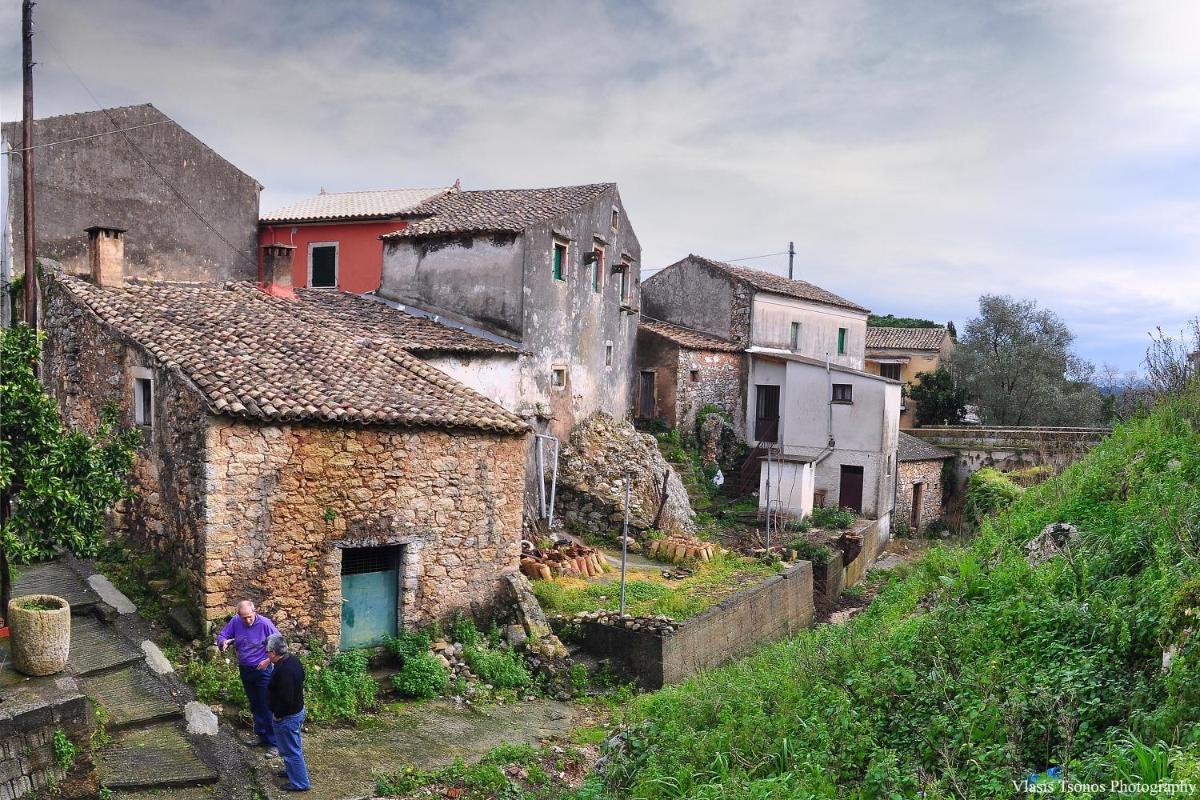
(132, 696)
(59, 580)
(96, 647)
(154, 757)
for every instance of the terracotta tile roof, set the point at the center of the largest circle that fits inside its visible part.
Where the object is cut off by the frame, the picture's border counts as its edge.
(686, 337)
(494, 210)
(253, 356)
(380, 204)
(417, 335)
(911, 448)
(777, 284)
(905, 338)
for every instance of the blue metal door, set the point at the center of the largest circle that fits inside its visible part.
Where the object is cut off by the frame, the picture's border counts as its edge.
(370, 595)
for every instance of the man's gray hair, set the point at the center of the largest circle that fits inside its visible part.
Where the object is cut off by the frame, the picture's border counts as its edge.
(277, 644)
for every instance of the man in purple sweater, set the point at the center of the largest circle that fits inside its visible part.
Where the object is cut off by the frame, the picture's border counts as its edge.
(248, 633)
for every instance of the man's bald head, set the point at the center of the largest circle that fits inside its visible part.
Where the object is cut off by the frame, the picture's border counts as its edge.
(245, 610)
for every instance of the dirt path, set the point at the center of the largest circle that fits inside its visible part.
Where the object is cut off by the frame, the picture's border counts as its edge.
(341, 761)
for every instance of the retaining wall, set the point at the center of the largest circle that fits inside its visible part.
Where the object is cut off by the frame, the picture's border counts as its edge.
(30, 711)
(776, 608)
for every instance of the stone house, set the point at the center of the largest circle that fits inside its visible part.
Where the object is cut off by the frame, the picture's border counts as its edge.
(901, 353)
(681, 370)
(553, 271)
(336, 234)
(134, 168)
(919, 492)
(808, 397)
(292, 454)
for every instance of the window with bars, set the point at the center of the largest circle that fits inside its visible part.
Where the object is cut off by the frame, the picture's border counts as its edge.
(360, 560)
(890, 371)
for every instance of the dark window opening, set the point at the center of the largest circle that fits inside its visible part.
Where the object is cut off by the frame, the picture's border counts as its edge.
(646, 395)
(608, 355)
(323, 267)
(890, 371)
(766, 413)
(360, 560)
(843, 393)
(695, 375)
(143, 399)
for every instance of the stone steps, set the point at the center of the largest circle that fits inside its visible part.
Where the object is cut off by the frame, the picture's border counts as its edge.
(132, 697)
(158, 756)
(96, 647)
(59, 580)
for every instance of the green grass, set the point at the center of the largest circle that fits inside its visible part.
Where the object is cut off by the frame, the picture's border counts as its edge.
(973, 670)
(650, 594)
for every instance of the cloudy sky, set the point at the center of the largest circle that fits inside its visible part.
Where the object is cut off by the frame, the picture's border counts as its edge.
(919, 154)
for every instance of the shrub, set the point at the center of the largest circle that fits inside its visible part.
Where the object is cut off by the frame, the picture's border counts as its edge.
(216, 681)
(989, 491)
(340, 689)
(504, 669)
(406, 645)
(422, 676)
(65, 751)
(832, 518)
(463, 630)
(818, 554)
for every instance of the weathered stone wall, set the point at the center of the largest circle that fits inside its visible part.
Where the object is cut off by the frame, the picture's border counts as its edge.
(29, 715)
(591, 476)
(284, 500)
(85, 364)
(778, 607)
(720, 379)
(929, 475)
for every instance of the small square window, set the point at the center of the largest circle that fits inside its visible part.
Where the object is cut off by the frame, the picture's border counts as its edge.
(890, 371)
(616, 219)
(560, 260)
(795, 340)
(558, 377)
(843, 393)
(841, 341)
(143, 402)
(608, 354)
(694, 375)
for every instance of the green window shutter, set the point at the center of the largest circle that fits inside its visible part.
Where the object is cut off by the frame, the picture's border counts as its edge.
(559, 254)
(795, 335)
(841, 341)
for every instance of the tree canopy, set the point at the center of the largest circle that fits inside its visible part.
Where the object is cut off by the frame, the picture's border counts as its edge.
(939, 399)
(888, 321)
(1016, 364)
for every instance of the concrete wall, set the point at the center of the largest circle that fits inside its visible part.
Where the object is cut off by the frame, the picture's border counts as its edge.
(791, 490)
(773, 316)
(692, 294)
(778, 607)
(104, 181)
(654, 353)
(496, 376)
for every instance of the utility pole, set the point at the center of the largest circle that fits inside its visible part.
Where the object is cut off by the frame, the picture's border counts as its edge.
(30, 286)
(625, 542)
(791, 259)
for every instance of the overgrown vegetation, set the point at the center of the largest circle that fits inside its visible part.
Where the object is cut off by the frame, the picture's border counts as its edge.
(988, 491)
(975, 669)
(510, 771)
(832, 518)
(65, 751)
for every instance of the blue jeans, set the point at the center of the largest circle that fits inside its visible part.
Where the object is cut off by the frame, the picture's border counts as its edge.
(254, 681)
(287, 733)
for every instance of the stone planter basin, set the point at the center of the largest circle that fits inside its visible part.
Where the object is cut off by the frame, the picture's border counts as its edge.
(39, 633)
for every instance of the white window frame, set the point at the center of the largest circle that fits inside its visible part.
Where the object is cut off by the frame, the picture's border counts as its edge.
(140, 375)
(337, 264)
(566, 377)
(566, 263)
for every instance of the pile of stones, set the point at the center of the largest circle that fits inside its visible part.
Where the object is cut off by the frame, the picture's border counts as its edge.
(660, 624)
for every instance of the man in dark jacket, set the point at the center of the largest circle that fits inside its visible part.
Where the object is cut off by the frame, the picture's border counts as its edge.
(285, 697)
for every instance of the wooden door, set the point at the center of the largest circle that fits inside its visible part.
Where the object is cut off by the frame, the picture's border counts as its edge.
(646, 395)
(766, 414)
(370, 595)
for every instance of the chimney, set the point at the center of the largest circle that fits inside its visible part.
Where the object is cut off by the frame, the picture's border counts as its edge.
(106, 255)
(277, 270)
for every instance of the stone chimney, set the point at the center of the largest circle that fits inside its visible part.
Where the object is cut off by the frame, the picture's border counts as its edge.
(277, 270)
(106, 255)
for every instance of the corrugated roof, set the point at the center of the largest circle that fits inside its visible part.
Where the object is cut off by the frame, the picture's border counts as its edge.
(912, 448)
(905, 338)
(777, 284)
(686, 337)
(375, 204)
(252, 355)
(494, 210)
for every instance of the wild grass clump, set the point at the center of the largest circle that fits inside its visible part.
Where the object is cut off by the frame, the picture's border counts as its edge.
(975, 669)
(832, 518)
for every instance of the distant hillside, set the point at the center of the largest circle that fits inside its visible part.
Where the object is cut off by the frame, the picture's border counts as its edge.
(888, 321)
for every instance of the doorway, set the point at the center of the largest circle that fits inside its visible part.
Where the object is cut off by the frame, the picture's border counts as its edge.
(646, 395)
(766, 413)
(370, 595)
(914, 517)
(850, 488)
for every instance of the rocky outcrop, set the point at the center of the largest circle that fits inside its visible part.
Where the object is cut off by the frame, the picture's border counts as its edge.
(601, 453)
(1054, 539)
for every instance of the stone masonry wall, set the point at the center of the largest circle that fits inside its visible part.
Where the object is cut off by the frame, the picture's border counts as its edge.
(27, 724)
(85, 364)
(284, 500)
(720, 380)
(910, 472)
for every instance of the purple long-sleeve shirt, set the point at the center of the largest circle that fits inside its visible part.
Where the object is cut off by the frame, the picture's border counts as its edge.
(249, 640)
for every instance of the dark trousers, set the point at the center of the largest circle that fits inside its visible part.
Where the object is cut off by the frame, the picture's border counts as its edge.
(254, 681)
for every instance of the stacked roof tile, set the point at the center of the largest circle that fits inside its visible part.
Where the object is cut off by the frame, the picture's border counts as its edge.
(329, 206)
(905, 338)
(911, 448)
(252, 355)
(685, 337)
(496, 210)
(777, 284)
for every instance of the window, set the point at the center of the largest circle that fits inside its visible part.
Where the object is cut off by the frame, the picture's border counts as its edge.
(608, 354)
(560, 261)
(795, 340)
(323, 265)
(597, 267)
(890, 371)
(143, 397)
(646, 394)
(616, 219)
(841, 341)
(843, 393)
(626, 271)
(558, 378)
(694, 375)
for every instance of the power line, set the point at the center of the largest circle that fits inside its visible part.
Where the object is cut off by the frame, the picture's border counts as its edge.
(727, 261)
(12, 150)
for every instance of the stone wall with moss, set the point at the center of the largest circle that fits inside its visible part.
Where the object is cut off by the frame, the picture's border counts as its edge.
(929, 474)
(283, 500)
(707, 377)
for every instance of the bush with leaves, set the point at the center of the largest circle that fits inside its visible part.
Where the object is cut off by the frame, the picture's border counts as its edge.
(339, 689)
(504, 669)
(832, 518)
(988, 491)
(421, 677)
(56, 484)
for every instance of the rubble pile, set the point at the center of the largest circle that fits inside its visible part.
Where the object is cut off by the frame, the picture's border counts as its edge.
(563, 558)
(660, 624)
